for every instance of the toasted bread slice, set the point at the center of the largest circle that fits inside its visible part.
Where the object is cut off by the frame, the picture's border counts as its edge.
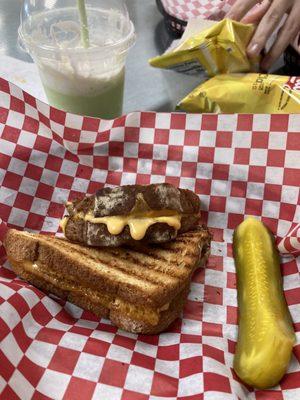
(141, 290)
(126, 214)
(121, 200)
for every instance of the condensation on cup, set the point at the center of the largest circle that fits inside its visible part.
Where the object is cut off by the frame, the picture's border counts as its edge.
(80, 50)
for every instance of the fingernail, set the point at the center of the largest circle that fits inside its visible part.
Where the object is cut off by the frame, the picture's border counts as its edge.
(253, 50)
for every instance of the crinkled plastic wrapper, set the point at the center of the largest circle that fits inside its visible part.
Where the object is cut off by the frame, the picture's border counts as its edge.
(245, 93)
(219, 49)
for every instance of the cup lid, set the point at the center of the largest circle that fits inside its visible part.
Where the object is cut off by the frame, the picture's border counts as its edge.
(56, 25)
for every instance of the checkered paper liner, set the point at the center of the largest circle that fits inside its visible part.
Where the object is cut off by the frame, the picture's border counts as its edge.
(291, 243)
(186, 9)
(238, 164)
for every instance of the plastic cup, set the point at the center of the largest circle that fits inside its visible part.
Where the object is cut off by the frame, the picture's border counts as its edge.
(82, 68)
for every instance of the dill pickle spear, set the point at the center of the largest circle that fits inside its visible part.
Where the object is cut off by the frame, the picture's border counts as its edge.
(266, 336)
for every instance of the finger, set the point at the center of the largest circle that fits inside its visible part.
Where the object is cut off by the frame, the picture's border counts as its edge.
(266, 26)
(257, 12)
(240, 8)
(286, 35)
(296, 42)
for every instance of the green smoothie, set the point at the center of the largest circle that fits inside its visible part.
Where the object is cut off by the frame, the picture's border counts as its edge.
(103, 103)
(80, 53)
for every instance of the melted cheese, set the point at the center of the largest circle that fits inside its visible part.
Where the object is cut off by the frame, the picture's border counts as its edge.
(138, 224)
(63, 224)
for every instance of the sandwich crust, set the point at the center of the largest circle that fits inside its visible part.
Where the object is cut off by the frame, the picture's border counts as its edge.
(124, 200)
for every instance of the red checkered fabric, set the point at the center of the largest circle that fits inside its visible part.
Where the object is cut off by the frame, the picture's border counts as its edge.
(238, 164)
(186, 9)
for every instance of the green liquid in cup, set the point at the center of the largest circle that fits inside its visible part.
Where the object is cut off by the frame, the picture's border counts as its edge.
(107, 103)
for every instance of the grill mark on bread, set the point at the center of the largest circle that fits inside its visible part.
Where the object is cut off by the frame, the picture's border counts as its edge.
(170, 250)
(156, 263)
(137, 274)
(126, 254)
(95, 297)
(132, 288)
(122, 321)
(150, 251)
(158, 276)
(186, 237)
(36, 251)
(159, 257)
(150, 264)
(107, 267)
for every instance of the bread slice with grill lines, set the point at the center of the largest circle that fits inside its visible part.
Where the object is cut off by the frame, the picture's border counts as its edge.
(141, 290)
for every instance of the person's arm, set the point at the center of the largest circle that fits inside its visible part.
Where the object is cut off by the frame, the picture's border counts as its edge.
(269, 15)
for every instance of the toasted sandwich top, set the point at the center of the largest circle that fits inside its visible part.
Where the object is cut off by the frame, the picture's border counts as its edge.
(151, 275)
(124, 200)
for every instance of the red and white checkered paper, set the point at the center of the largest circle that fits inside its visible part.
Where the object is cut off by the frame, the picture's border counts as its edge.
(186, 9)
(238, 164)
(290, 244)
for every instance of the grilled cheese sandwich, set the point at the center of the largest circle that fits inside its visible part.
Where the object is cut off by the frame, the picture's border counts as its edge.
(121, 215)
(141, 291)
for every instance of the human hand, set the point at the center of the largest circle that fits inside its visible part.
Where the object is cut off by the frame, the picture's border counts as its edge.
(268, 15)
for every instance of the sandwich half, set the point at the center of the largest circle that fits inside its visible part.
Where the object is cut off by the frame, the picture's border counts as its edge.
(131, 214)
(141, 289)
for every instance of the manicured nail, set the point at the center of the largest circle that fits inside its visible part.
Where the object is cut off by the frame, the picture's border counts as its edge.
(253, 50)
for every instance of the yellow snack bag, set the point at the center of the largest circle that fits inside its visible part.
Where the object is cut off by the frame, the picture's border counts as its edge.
(245, 93)
(219, 49)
